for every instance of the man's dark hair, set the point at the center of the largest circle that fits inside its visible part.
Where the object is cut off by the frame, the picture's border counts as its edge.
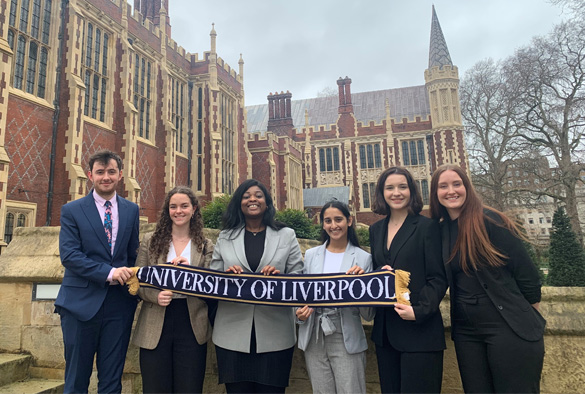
(104, 157)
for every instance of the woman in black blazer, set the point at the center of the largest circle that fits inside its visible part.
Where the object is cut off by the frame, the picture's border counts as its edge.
(493, 283)
(409, 339)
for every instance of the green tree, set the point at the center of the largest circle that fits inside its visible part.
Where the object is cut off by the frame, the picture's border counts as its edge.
(213, 211)
(363, 236)
(298, 221)
(567, 258)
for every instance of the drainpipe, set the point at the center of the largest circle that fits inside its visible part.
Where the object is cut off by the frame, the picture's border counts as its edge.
(64, 5)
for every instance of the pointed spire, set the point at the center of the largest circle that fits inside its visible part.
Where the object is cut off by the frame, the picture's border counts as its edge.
(213, 36)
(438, 51)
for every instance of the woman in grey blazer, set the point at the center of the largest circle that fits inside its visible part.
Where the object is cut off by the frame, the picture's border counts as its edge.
(333, 339)
(172, 330)
(254, 343)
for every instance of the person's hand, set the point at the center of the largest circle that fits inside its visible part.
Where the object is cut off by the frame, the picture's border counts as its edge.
(355, 270)
(165, 297)
(387, 267)
(405, 311)
(122, 274)
(179, 260)
(269, 270)
(304, 312)
(236, 269)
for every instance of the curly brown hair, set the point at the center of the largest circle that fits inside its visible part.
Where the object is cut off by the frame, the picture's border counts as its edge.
(161, 239)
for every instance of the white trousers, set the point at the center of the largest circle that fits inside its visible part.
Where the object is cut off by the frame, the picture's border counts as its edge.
(331, 368)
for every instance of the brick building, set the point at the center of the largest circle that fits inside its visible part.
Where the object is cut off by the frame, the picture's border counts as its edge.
(349, 139)
(77, 76)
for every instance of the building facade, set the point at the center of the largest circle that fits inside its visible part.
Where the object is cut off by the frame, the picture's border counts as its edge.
(349, 139)
(78, 76)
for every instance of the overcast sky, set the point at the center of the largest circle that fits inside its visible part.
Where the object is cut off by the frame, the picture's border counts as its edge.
(304, 46)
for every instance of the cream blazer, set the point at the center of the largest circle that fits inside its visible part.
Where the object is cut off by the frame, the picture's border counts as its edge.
(152, 316)
(275, 325)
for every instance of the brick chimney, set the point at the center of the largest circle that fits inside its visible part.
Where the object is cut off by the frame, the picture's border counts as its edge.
(345, 105)
(279, 113)
(151, 9)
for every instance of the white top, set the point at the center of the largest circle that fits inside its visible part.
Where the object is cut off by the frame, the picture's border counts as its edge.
(332, 263)
(186, 254)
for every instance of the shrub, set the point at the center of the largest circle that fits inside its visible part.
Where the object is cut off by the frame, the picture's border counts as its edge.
(566, 255)
(213, 211)
(298, 221)
(363, 234)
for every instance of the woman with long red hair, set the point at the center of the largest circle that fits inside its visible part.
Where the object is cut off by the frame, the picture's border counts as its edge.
(495, 290)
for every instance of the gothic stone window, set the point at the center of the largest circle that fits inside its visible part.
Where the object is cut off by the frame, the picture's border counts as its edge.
(413, 153)
(177, 113)
(95, 73)
(143, 95)
(28, 36)
(329, 159)
(368, 194)
(18, 214)
(228, 135)
(370, 156)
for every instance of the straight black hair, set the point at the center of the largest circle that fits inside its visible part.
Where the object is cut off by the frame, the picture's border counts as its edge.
(351, 232)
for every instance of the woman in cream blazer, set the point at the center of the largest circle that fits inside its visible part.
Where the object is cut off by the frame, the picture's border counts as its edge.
(172, 330)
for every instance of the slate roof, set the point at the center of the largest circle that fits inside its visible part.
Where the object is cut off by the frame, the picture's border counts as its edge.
(408, 102)
(319, 196)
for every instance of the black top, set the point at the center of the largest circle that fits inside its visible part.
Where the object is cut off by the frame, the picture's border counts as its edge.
(254, 246)
(467, 285)
(512, 287)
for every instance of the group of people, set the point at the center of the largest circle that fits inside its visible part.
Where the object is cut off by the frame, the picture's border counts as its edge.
(474, 250)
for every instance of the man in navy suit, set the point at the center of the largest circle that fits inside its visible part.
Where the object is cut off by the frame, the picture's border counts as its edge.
(98, 243)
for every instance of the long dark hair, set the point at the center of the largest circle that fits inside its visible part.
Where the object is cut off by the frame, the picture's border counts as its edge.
(161, 239)
(234, 218)
(473, 243)
(351, 232)
(381, 207)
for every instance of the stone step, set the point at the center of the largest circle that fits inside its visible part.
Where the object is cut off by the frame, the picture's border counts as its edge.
(14, 367)
(34, 386)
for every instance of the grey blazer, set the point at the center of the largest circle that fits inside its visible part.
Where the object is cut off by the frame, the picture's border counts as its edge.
(275, 326)
(351, 323)
(152, 315)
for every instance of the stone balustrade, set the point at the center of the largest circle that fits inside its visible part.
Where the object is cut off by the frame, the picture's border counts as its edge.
(28, 324)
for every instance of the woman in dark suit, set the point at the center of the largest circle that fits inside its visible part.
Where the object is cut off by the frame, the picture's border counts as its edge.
(254, 343)
(493, 283)
(409, 340)
(172, 330)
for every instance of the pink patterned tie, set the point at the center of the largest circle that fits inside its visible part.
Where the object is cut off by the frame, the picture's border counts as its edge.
(108, 222)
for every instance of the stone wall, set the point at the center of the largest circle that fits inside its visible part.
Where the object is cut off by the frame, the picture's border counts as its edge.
(29, 326)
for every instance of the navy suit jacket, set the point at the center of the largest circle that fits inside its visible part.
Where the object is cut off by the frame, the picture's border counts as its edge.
(87, 258)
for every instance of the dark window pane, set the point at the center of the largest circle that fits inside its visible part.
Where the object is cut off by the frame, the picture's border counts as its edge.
(8, 227)
(424, 186)
(329, 160)
(19, 62)
(13, 7)
(87, 90)
(11, 39)
(200, 103)
(372, 191)
(405, 155)
(336, 159)
(377, 156)
(105, 56)
(97, 48)
(421, 152)
(24, 7)
(89, 45)
(413, 156)
(47, 21)
(147, 128)
(199, 138)
(94, 96)
(366, 195)
(103, 101)
(21, 220)
(36, 18)
(362, 156)
(31, 71)
(43, 73)
(370, 156)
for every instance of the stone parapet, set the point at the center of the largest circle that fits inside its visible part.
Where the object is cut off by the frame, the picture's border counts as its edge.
(30, 326)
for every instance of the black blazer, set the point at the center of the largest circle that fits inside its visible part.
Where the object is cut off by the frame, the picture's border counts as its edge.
(416, 248)
(511, 288)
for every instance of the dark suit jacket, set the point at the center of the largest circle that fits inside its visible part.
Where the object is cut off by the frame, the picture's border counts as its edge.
(87, 258)
(511, 288)
(416, 248)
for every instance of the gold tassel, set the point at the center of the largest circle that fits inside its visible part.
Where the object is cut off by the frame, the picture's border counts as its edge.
(401, 282)
(133, 283)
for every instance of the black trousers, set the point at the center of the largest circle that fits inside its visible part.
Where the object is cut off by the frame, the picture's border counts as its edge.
(177, 364)
(491, 357)
(409, 372)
